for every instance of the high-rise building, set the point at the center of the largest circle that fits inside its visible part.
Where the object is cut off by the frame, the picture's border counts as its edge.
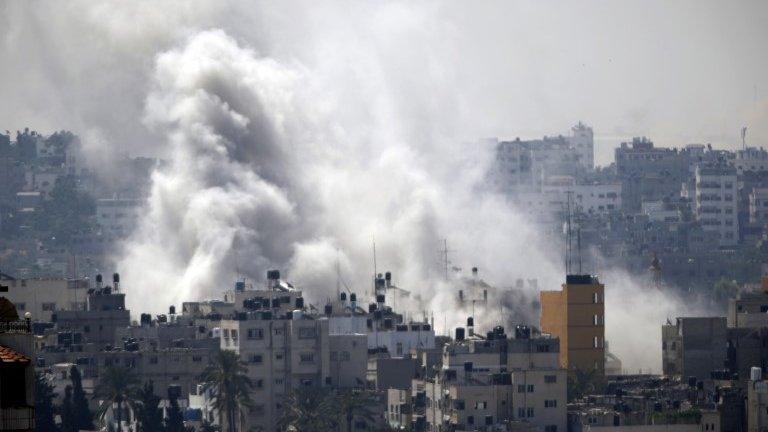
(575, 315)
(716, 202)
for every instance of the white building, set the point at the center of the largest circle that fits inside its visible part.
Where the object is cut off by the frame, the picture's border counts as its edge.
(716, 202)
(659, 211)
(117, 217)
(758, 206)
(44, 297)
(558, 193)
(523, 166)
(751, 159)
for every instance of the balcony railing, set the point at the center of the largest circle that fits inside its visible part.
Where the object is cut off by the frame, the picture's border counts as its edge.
(21, 326)
(17, 419)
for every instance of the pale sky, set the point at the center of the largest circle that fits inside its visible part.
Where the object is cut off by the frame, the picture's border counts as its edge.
(679, 72)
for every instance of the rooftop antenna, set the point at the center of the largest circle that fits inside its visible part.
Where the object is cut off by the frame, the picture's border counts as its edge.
(568, 233)
(578, 246)
(338, 274)
(444, 257)
(744, 137)
(374, 267)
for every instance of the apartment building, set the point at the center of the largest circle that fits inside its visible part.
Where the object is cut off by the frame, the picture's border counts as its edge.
(694, 346)
(104, 313)
(575, 315)
(490, 381)
(716, 202)
(42, 298)
(758, 206)
(284, 348)
(117, 217)
(523, 165)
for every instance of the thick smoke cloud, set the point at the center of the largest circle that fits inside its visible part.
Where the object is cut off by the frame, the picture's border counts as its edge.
(296, 135)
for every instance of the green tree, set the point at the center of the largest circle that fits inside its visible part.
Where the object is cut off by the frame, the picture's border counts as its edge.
(44, 405)
(175, 420)
(226, 377)
(353, 403)
(68, 421)
(82, 414)
(309, 409)
(116, 388)
(149, 415)
(581, 383)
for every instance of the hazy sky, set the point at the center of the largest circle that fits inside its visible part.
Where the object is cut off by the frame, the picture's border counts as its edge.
(680, 72)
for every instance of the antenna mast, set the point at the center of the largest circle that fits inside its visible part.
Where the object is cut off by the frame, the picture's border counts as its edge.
(744, 138)
(374, 267)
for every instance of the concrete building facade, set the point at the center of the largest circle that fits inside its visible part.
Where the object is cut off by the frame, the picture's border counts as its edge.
(576, 316)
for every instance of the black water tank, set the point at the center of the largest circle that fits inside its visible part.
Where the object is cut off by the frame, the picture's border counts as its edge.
(371, 307)
(116, 278)
(99, 279)
(369, 323)
(388, 323)
(343, 296)
(353, 297)
(273, 274)
(299, 302)
(459, 333)
(380, 298)
(388, 276)
(172, 310)
(470, 322)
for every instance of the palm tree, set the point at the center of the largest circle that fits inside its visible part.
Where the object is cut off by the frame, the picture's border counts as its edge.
(117, 386)
(356, 403)
(308, 409)
(581, 383)
(230, 386)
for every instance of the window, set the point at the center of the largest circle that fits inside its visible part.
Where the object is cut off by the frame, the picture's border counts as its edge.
(529, 412)
(521, 412)
(521, 388)
(49, 307)
(550, 379)
(550, 428)
(226, 333)
(234, 335)
(197, 359)
(550, 403)
(399, 348)
(260, 383)
(345, 356)
(471, 420)
(596, 342)
(307, 357)
(278, 332)
(596, 298)
(530, 388)
(334, 355)
(278, 381)
(21, 306)
(256, 333)
(255, 358)
(481, 405)
(278, 356)
(307, 333)
(597, 320)
(488, 420)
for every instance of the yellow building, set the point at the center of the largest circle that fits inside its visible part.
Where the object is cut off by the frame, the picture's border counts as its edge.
(575, 315)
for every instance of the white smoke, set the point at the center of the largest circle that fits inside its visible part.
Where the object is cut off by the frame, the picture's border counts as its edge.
(296, 136)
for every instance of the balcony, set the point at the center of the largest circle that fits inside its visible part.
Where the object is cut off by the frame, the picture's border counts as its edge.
(17, 419)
